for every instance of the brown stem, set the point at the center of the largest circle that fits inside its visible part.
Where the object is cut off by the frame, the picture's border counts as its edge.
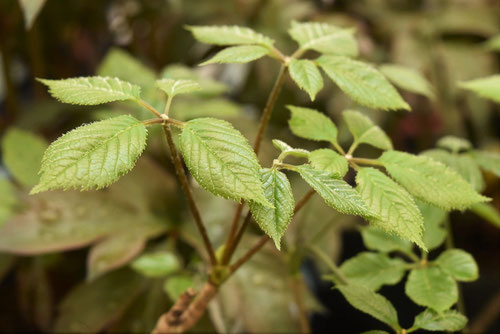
(305, 326)
(179, 169)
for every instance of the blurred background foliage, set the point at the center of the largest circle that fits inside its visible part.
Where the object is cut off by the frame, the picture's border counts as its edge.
(64, 257)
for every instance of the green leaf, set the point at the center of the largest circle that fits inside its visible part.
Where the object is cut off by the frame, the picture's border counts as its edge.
(408, 79)
(370, 303)
(93, 155)
(448, 321)
(221, 160)
(463, 164)
(454, 144)
(432, 287)
(306, 75)
(209, 87)
(31, 9)
(493, 43)
(189, 108)
(176, 87)
(175, 286)
(287, 150)
(229, 35)
(488, 88)
(278, 192)
(311, 124)
(488, 212)
(324, 38)
(337, 193)
(7, 200)
(238, 54)
(92, 90)
(365, 131)
(157, 264)
(362, 82)
(434, 232)
(377, 239)
(489, 161)
(430, 180)
(22, 155)
(459, 264)
(372, 270)
(395, 208)
(329, 161)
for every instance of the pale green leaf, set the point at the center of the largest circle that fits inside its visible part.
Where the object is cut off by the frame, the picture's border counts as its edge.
(92, 90)
(189, 108)
(371, 303)
(488, 212)
(377, 239)
(493, 43)
(175, 286)
(7, 200)
(311, 124)
(324, 38)
(22, 154)
(31, 9)
(365, 131)
(278, 192)
(447, 321)
(329, 161)
(337, 193)
(306, 75)
(238, 54)
(396, 209)
(362, 82)
(229, 35)
(157, 264)
(430, 181)
(489, 161)
(463, 164)
(220, 159)
(432, 287)
(93, 155)
(488, 88)
(408, 79)
(372, 270)
(434, 232)
(459, 264)
(454, 144)
(175, 87)
(287, 150)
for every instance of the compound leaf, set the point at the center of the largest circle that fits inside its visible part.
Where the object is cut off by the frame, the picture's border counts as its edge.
(408, 79)
(220, 159)
(430, 181)
(337, 193)
(365, 131)
(311, 124)
(459, 264)
(329, 161)
(396, 209)
(488, 87)
(434, 232)
(278, 192)
(362, 82)
(306, 75)
(229, 35)
(238, 54)
(92, 156)
(377, 239)
(454, 144)
(447, 321)
(287, 150)
(174, 87)
(92, 90)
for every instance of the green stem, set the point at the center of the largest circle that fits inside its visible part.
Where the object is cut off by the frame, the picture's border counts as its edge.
(450, 244)
(329, 263)
(146, 105)
(338, 148)
(363, 161)
(353, 147)
(167, 106)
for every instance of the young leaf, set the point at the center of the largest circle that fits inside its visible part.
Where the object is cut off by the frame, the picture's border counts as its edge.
(365, 131)
(396, 209)
(221, 160)
(370, 303)
(488, 212)
(408, 79)
(432, 287)
(459, 264)
(372, 270)
(430, 180)
(311, 124)
(488, 87)
(92, 90)
(377, 239)
(337, 193)
(447, 321)
(362, 82)
(238, 54)
(306, 75)
(229, 35)
(434, 232)
(175, 87)
(454, 144)
(324, 38)
(93, 155)
(329, 161)
(22, 155)
(287, 150)
(156, 264)
(278, 191)
(489, 161)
